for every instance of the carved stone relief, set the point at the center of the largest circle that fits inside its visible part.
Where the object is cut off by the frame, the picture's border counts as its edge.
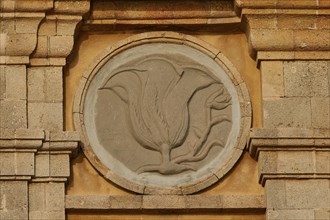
(161, 117)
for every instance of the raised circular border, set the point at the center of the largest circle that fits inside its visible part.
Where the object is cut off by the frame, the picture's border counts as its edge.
(164, 37)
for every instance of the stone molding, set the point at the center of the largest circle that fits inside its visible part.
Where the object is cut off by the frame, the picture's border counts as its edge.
(20, 152)
(159, 13)
(291, 153)
(287, 28)
(170, 202)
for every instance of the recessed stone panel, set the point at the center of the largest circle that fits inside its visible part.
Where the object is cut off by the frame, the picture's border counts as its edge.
(162, 116)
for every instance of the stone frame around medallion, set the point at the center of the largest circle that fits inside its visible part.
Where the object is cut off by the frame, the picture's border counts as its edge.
(181, 39)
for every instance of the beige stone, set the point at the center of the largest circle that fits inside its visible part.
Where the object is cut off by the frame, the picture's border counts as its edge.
(295, 162)
(322, 159)
(45, 84)
(14, 200)
(311, 39)
(275, 194)
(272, 79)
(45, 116)
(292, 214)
(287, 112)
(307, 194)
(13, 80)
(47, 28)
(42, 165)
(320, 112)
(59, 165)
(320, 214)
(13, 114)
(60, 46)
(46, 201)
(164, 202)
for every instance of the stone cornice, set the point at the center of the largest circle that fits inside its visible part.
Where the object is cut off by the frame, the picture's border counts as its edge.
(39, 140)
(288, 139)
(150, 202)
(287, 29)
(115, 13)
(291, 153)
(282, 4)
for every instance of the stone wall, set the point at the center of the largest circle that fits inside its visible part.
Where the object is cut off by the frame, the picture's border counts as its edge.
(280, 50)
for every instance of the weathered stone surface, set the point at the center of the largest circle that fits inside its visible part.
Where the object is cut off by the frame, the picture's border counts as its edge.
(294, 214)
(13, 114)
(59, 165)
(46, 201)
(13, 82)
(303, 78)
(320, 112)
(42, 165)
(16, 163)
(307, 194)
(45, 84)
(272, 79)
(45, 116)
(14, 200)
(287, 112)
(322, 159)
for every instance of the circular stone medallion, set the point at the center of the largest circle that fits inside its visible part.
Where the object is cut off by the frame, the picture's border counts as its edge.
(162, 117)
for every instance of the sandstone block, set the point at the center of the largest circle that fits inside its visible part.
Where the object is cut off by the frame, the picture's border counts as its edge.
(287, 112)
(269, 39)
(13, 114)
(45, 116)
(7, 163)
(267, 162)
(60, 46)
(272, 79)
(27, 25)
(322, 162)
(20, 44)
(59, 165)
(292, 214)
(24, 163)
(295, 162)
(42, 47)
(14, 200)
(307, 194)
(154, 202)
(275, 194)
(46, 201)
(45, 84)
(66, 27)
(13, 82)
(311, 39)
(321, 214)
(42, 165)
(320, 112)
(47, 28)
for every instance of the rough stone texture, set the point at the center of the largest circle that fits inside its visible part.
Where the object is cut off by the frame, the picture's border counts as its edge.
(295, 33)
(306, 79)
(272, 79)
(47, 116)
(320, 112)
(299, 198)
(287, 112)
(13, 114)
(14, 200)
(45, 84)
(16, 164)
(46, 201)
(13, 82)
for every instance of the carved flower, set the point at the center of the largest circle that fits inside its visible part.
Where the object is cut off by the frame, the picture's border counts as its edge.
(157, 93)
